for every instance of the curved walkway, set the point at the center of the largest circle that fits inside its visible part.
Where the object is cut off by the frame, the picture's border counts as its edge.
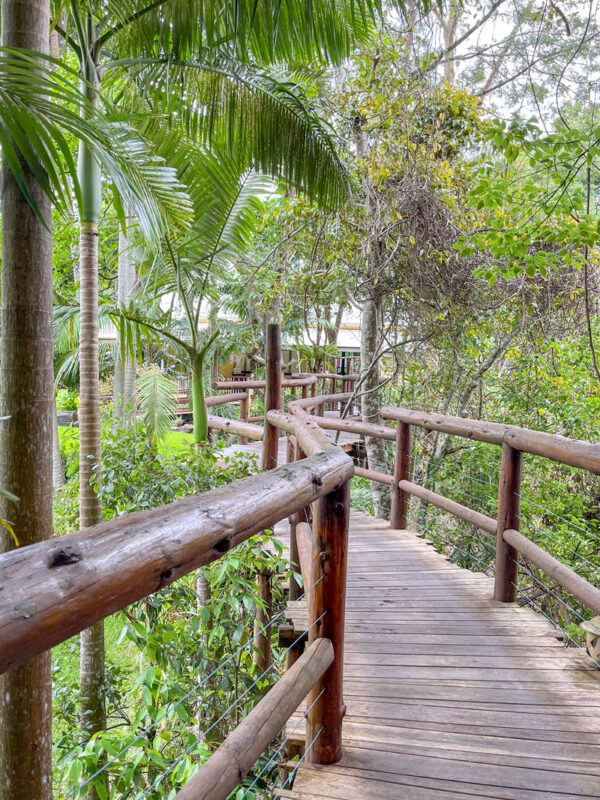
(451, 695)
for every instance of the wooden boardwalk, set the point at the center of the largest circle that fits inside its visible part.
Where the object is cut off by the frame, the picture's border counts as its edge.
(451, 695)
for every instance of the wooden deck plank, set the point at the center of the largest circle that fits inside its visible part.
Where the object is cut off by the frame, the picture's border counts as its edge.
(450, 695)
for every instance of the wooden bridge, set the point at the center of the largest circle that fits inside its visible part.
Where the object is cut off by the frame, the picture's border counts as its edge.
(419, 679)
(450, 695)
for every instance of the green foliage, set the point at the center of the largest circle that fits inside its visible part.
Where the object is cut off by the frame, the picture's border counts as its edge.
(533, 197)
(157, 395)
(157, 697)
(67, 400)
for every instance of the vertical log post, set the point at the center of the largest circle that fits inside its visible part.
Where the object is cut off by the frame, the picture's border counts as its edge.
(294, 589)
(327, 600)
(244, 409)
(509, 484)
(304, 391)
(272, 395)
(401, 473)
(262, 639)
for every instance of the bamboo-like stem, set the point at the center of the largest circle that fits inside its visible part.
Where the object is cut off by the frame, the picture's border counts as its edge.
(92, 651)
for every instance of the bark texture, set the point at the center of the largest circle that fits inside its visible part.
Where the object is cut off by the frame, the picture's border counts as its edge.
(370, 404)
(90, 508)
(58, 469)
(26, 395)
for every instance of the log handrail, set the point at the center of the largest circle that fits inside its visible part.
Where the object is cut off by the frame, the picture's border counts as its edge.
(237, 427)
(287, 383)
(223, 399)
(481, 521)
(53, 590)
(514, 441)
(573, 452)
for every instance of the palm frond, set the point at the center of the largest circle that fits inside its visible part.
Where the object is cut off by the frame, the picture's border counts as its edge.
(38, 95)
(66, 343)
(269, 123)
(157, 397)
(265, 31)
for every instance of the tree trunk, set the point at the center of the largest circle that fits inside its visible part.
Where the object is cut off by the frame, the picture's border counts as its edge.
(26, 395)
(90, 509)
(198, 404)
(58, 469)
(333, 333)
(449, 24)
(124, 390)
(370, 402)
(212, 327)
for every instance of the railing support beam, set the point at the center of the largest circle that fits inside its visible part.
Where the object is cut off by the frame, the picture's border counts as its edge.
(244, 411)
(262, 637)
(326, 602)
(401, 473)
(294, 588)
(509, 484)
(273, 397)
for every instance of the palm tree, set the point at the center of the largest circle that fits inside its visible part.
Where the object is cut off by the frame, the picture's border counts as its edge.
(36, 118)
(25, 738)
(184, 272)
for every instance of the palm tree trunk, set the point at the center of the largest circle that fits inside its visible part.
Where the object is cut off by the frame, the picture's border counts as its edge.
(198, 403)
(92, 669)
(58, 470)
(26, 395)
(90, 508)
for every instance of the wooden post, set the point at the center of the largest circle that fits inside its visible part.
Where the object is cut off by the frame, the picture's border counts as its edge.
(509, 484)
(401, 473)
(327, 600)
(262, 639)
(244, 409)
(304, 391)
(272, 394)
(294, 589)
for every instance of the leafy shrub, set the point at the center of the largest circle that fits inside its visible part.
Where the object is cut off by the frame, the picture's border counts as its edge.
(67, 400)
(180, 674)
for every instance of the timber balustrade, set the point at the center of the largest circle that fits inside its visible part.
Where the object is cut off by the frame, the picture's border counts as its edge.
(513, 441)
(52, 590)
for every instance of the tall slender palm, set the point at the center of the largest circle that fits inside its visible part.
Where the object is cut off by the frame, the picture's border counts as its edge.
(26, 397)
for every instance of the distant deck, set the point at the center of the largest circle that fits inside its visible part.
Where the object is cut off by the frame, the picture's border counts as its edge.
(451, 695)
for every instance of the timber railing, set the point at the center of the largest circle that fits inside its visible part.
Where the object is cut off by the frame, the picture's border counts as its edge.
(513, 441)
(52, 590)
(239, 391)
